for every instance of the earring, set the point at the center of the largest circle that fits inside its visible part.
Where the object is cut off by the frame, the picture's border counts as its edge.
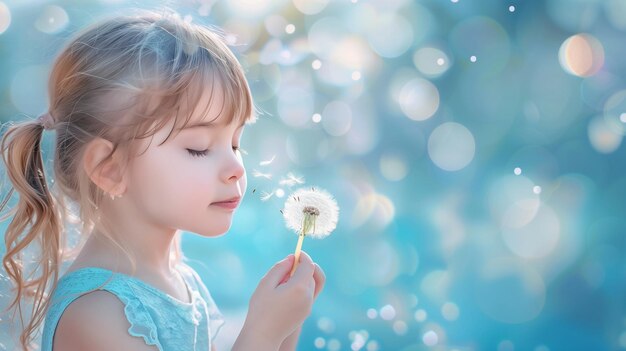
(113, 197)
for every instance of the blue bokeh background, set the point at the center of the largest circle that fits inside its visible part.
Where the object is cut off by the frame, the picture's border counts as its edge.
(474, 149)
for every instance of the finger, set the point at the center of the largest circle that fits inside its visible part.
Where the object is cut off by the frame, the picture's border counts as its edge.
(320, 279)
(276, 274)
(305, 267)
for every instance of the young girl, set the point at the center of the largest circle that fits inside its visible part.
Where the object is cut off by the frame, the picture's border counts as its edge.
(148, 112)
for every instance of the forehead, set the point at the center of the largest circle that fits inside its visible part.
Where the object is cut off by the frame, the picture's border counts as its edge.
(205, 102)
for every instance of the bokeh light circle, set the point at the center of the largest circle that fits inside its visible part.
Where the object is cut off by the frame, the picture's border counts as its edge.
(419, 99)
(602, 136)
(295, 106)
(5, 17)
(581, 55)
(393, 167)
(325, 35)
(531, 229)
(492, 50)
(430, 338)
(450, 311)
(310, 7)
(451, 146)
(615, 112)
(52, 19)
(275, 25)
(616, 13)
(380, 266)
(391, 35)
(337, 118)
(373, 206)
(28, 97)
(431, 62)
(573, 15)
(253, 8)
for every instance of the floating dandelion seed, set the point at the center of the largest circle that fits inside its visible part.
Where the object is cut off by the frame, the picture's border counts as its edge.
(291, 180)
(258, 174)
(266, 196)
(267, 162)
(311, 212)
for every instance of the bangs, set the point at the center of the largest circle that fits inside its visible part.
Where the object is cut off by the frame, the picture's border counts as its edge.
(183, 75)
(209, 91)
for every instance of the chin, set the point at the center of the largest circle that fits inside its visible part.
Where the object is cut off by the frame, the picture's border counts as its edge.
(214, 232)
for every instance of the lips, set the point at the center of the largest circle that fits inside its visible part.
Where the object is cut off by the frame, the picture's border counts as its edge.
(231, 203)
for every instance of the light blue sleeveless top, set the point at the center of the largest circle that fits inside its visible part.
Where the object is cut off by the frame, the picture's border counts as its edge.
(158, 318)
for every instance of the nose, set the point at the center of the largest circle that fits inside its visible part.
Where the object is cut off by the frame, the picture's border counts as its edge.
(233, 169)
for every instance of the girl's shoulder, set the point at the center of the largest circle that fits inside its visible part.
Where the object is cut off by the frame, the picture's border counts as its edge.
(77, 329)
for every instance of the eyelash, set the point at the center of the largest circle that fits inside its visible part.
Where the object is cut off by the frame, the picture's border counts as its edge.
(197, 153)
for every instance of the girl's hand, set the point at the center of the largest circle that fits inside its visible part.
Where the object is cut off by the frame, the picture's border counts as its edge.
(279, 307)
(291, 341)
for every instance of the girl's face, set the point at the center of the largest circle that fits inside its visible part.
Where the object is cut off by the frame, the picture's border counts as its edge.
(176, 184)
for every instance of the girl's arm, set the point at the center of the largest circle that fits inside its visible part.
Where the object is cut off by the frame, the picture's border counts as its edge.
(292, 341)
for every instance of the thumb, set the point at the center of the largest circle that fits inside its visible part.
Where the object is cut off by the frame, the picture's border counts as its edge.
(276, 274)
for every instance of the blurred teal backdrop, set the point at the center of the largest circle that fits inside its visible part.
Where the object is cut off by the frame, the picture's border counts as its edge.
(474, 149)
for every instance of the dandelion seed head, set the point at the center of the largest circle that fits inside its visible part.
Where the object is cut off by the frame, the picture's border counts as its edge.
(314, 204)
(310, 210)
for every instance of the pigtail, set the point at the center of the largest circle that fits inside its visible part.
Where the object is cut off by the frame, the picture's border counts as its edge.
(35, 218)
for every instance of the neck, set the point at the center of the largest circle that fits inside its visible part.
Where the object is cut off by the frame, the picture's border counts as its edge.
(148, 243)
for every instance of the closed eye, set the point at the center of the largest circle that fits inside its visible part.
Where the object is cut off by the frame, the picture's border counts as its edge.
(198, 153)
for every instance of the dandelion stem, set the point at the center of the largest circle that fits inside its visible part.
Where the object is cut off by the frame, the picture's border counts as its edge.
(297, 254)
(308, 227)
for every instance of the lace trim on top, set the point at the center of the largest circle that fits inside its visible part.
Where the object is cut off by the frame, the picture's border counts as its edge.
(124, 287)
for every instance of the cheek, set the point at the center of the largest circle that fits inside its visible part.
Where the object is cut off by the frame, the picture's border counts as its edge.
(170, 179)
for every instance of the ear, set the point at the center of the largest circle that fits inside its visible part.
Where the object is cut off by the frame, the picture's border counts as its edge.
(106, 173)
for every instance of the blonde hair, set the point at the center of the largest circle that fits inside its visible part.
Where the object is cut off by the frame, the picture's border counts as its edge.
(147, 62)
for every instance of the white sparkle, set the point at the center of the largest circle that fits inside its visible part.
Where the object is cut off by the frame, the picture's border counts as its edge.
(316, 64)
(317, 118)
(537, 189)
(356, 75)
(290, 29)
(280, 192)
(622, 117)
(473, 58)
(440, 61)
(511, 8)
(517, 171)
